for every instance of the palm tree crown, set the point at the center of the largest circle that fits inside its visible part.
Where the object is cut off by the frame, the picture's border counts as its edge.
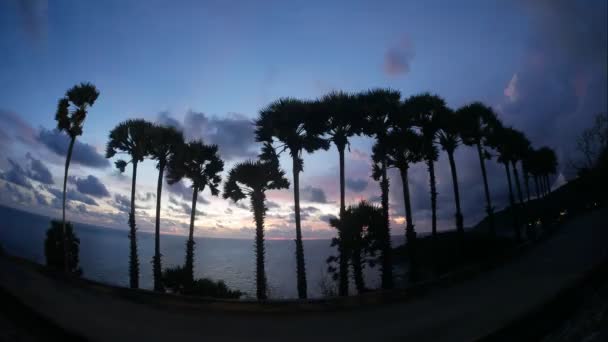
(72, 108)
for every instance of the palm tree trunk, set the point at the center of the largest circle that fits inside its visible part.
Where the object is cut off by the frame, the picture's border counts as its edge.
(513, 210)
(520, 196)
(459, 219)
(358, 270)
(300, 264)
(133, 259)
(189, 266)
(156, 262)
(257, 204)
(410, 233)
(489, 208)
(548, 184)
(66, 243)
(343, 256)
(537, 187)
(386, 260)
(433, 185)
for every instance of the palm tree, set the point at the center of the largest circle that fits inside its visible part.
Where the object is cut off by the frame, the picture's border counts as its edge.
(519, 147)
(202, 165)
(132, 138)
(450, 126)
(165, 142)
(526, 165)
(377, 104)
(71, 112)
(287, 120)
(403, 148)
(478, 121)
(547, 166)
(252, 179)
(344, 118)
(426, 110)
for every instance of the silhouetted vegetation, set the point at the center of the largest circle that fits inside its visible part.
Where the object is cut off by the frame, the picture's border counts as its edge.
(253, 178)
(131, 138)
(202, 165)
(178, 281)
(71, 112)
(54, 247)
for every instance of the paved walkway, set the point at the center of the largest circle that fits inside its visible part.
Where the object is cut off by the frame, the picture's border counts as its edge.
(462, 312)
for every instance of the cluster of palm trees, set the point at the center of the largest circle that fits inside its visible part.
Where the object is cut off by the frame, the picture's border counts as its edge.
(406, 132)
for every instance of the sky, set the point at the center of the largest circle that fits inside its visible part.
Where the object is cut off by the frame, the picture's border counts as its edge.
(209, 67)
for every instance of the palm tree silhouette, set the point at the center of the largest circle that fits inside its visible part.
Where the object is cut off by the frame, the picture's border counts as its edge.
(361, 229)
(377, 104)
(519, 148)
(403, 148)
(478, 121)
(288, 121)
(344, 118)
(71, 112)
(252, 179)
(132, 138)
(450, 127)
(547, 161)
(164, 143)
(526, 165)
(425, 109)
(202, 165)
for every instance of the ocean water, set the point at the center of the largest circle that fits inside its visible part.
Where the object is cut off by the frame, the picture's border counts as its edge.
(104, 256)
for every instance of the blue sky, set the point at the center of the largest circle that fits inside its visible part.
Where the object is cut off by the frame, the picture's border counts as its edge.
(540, 64)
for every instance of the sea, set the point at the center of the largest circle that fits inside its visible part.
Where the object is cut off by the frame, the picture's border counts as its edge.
(104, 256)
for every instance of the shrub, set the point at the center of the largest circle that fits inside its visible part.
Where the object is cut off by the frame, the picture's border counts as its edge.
(53, 247)
(176, 279)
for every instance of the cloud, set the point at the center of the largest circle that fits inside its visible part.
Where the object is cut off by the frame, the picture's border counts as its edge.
(17, 175)
(83, 153)
(72, 195)
(122, 202)
(145, 196)
(327, 218)
(91, 185)
(38, 171)
(312, 194)
(184, 192)
(356, 185)
(34, 16)
(233, 133)
(398, 58)
(16, 128)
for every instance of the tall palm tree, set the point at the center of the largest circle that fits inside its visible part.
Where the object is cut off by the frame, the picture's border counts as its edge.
(519, 147)
(501, 139)
(378, 104)
(426, 110)
(288, 121)
(202, 165)
(344, 118)
(71, 112)
(164, 143)
(547, 163)
(132, 138)
(450, 126)
(252, 179)
(405, 147)
(478, 121)
(526, 165)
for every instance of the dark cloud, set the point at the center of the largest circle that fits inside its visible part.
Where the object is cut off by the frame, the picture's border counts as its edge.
(146, 196)
(16, 128)
(327, 218)
(356, 185)
(40, 199)
(16, 194)
(398, 58)
(72, 195)
(184, 192)
(17, 175)
(234, 133)
(91, 185)
(272, 205)
(312, 194)
(122, 202)
(83, 153)
(38, 171)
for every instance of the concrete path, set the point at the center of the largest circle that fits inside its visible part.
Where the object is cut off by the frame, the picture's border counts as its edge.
(462, 312)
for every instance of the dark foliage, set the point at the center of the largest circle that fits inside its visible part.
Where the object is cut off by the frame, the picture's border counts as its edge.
(54, 251)
(177, 281)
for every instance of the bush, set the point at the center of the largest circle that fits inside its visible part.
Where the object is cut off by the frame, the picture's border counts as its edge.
(53, 247)
(175, 279)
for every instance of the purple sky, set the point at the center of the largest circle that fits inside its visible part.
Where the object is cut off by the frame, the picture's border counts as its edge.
(209, 67)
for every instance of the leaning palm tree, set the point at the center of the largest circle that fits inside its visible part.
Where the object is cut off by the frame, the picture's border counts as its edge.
(519, 147)
(202, 165)
(287, 121)
(478, 121)
(426, 109)
(344, 118)
(450, 126)
(71, 112)
(252, 179)
(548, 166)
(132, 138)
(377, 105)
(404, 147)
(164, 143)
